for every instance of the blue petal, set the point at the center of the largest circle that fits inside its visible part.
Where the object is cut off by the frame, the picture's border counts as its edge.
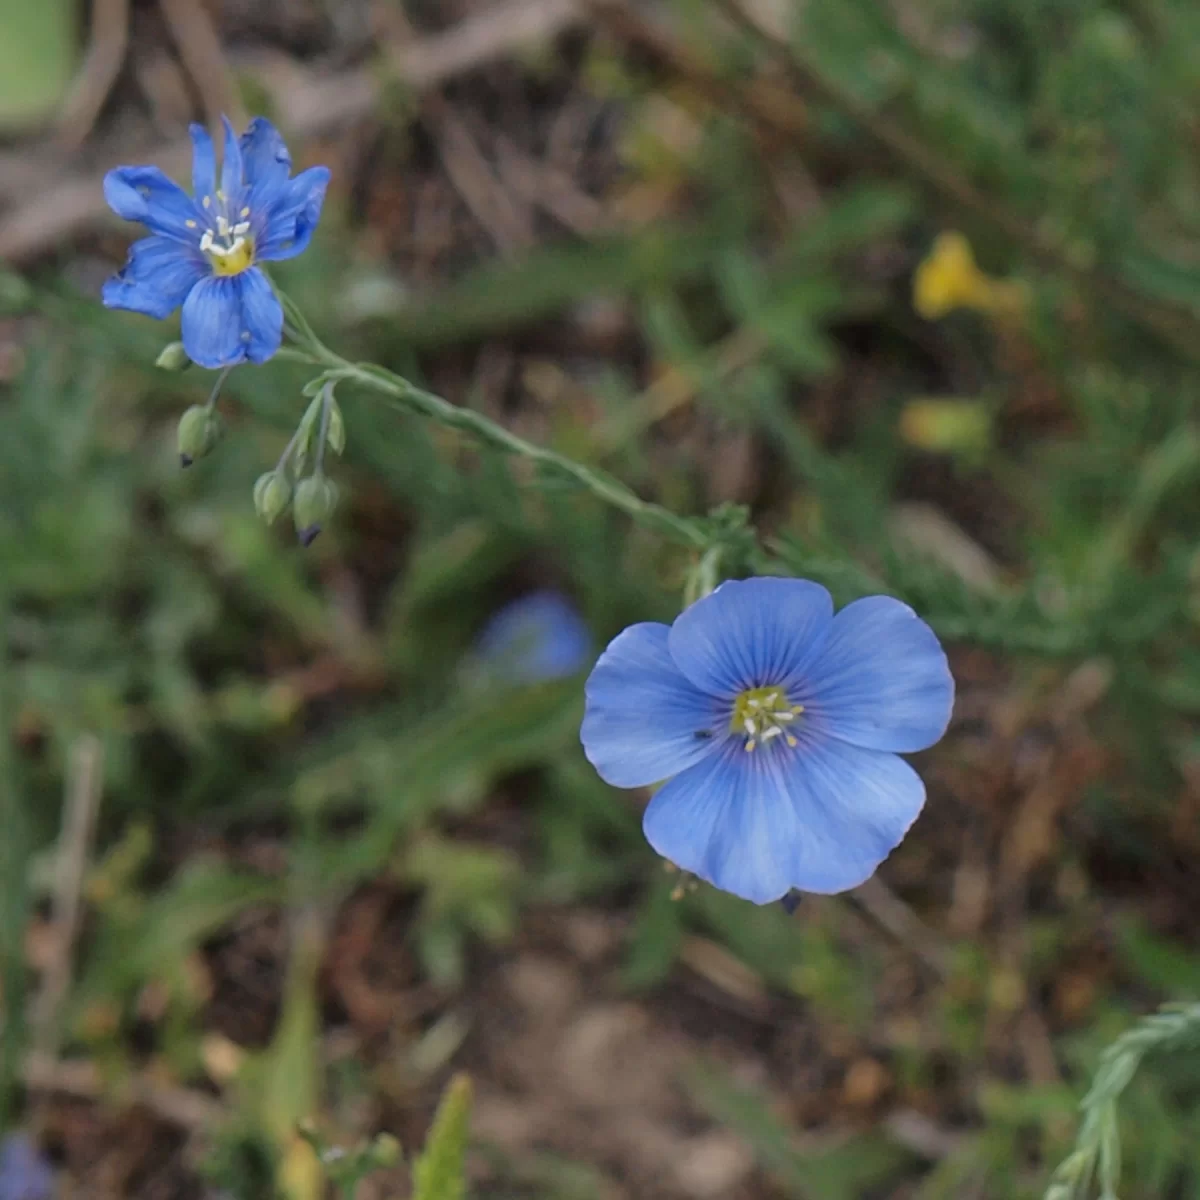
(156, 278)
(262, 316)
(265, 158)
(751, 633)
(145, 194)
(819, 818)
(643, 720)
(231, 166)
(212, 322)
(24, 1172)
(882, 680)
(204, 162)
(541, 636)
(293, 219)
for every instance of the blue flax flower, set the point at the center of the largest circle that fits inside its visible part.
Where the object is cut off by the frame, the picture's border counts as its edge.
(535, 639)
(24, 1173)
(204, 249)
(778, 726)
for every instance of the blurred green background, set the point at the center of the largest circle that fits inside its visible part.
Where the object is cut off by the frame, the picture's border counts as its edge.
(702, 245)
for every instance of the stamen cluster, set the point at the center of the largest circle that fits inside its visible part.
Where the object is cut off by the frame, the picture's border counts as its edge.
(762, 714)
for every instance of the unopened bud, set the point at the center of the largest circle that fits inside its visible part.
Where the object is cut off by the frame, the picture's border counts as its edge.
(272, 495)
(199, 429)
(336, 436)
(316, 498)
(384, 1151)
(173, 358)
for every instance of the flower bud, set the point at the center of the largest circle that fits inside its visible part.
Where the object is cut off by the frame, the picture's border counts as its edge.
(173, 358)
(199, 429)
(384, 1151)
(336, 437)
(272, 495)
(316, 498)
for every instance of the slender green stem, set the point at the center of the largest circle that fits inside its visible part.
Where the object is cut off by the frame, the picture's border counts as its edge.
(685, 531)
(215, 394)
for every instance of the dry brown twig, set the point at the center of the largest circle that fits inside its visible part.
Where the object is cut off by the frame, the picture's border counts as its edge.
(107, 44)
(508, 222)
(81, 806)
(200, 48)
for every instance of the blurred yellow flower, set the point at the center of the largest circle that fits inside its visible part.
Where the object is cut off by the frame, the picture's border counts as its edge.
(947, 425)
(948, 278)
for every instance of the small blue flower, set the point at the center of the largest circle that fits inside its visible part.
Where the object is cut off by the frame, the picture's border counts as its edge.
(24, 1173)
(778, 726)
(535, 639)
(204, 249)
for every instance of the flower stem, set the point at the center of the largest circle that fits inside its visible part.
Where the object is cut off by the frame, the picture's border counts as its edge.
(685, 531)
(214, 395)
(326, 410)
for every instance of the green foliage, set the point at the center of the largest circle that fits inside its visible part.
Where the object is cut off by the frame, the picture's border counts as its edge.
(1097, 1153)
(330, 697)
(37, 58)
(439, 1172)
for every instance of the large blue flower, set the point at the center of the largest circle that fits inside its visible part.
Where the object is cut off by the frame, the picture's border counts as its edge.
(778, 726)
(203, 251)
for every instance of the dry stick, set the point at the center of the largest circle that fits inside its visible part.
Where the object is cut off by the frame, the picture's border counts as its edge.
(184, 1107)
(200, 49)
(108, 42)
(509, 224)
(81, 804)
(73, 204)
(894, 915)
(544, 186)
(781, 112)
(43, 1073)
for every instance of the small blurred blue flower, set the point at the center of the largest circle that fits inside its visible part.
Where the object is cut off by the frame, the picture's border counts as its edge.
(534, 639)
(778, 726)
(24, 1173)
(204, 249)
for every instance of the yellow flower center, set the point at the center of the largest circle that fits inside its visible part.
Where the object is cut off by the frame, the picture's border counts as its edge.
(230, 248)
(763, 714)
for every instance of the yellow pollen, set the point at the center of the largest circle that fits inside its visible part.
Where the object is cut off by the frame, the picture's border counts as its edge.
(190, 224)
(245, 212)
(231, 260)
(207, 202)
(762, 715)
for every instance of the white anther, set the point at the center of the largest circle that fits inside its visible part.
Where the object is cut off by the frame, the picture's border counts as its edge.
(223, 226)
(753, 703)
(771, 698)
(774, 731)
(206, 241)
(748, 725)
(784, 716)
(241, 227)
